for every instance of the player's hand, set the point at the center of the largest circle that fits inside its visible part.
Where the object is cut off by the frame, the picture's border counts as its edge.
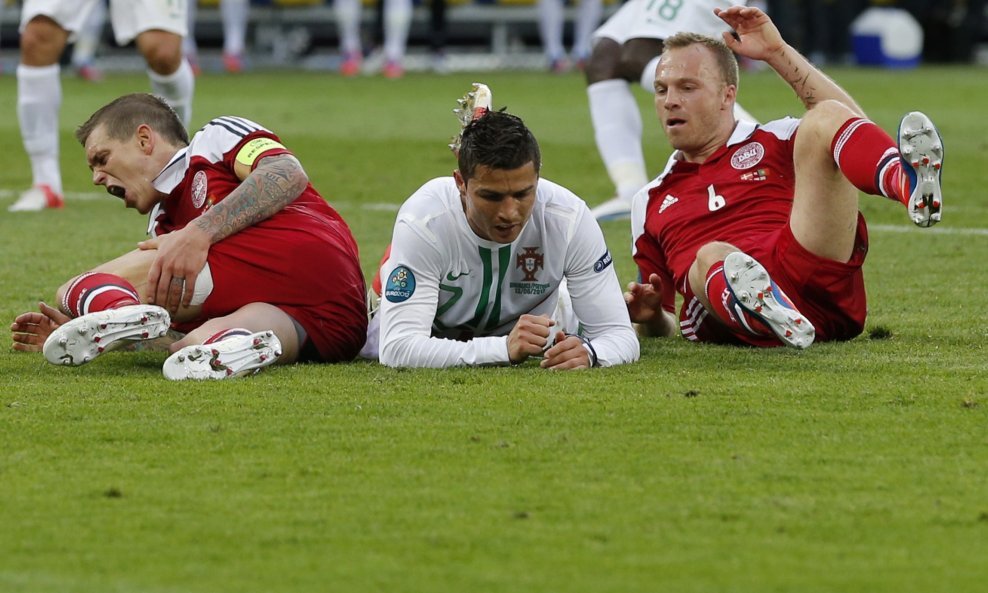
(30, 330)
(567, 353)
(528, 337)
(644, 300)
(181, 257)
(758, 37)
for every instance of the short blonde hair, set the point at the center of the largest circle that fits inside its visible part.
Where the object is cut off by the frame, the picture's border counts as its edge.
(726, 61)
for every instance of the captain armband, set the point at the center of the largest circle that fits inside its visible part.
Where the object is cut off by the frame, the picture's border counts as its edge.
(250, 151)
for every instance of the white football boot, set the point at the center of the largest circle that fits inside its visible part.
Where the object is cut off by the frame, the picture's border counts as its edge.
(87, 336)
(754, 292)
(616, 208)
(230, 357)
(37, 198)
(472, 106)
(921, 150)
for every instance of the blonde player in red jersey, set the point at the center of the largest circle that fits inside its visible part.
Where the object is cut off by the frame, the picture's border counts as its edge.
(757, 226)
(245, 255)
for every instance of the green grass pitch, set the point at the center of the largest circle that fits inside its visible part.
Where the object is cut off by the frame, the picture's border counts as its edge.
(849, 467)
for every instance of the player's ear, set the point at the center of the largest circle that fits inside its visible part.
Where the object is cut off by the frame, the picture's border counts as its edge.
(730, 97)
(460, 184)
(145, 138)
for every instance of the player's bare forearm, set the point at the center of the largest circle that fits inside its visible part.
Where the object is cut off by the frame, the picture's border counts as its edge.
(276, 182)
(810, 84)
(662, 325)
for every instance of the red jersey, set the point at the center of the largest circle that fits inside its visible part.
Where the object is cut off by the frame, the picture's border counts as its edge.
(743, 195)
(743, 189)
(302, 259)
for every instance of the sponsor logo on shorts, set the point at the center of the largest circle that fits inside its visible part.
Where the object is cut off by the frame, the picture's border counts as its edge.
(401, 285)
(748, 156)
(199, 189)
(601, 264)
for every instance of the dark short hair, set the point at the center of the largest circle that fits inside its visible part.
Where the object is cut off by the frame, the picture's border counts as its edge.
(726, 60)
(123, 115)
(497, 140)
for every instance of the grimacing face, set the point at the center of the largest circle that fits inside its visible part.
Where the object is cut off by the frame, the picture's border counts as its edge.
(124, 167)
(498, 202)
(694, 104)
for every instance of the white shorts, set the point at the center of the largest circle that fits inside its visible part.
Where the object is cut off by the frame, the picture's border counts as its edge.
(659, 19)
(128, 17)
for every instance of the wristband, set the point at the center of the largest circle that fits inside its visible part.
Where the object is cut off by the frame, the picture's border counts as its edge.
(589, 348)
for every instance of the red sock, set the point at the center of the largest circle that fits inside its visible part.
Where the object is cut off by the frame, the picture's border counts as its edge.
(869, 158)
(376, 283)
(735, 318)
(95, 291)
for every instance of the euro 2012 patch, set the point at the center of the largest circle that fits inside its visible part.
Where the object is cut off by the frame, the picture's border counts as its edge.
(400, 286)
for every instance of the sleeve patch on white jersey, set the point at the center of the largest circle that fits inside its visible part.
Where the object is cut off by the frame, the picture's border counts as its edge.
(400, 286)
(253, 149)
(601, 264)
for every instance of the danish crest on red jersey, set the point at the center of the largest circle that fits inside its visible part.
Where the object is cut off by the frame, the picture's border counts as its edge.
(199, 189)
(748, 156)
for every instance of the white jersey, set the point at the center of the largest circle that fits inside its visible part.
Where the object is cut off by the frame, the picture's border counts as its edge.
(451, 298)
(128, 17)
(660, 19)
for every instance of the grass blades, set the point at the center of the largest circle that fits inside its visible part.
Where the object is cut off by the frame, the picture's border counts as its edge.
(847, 467)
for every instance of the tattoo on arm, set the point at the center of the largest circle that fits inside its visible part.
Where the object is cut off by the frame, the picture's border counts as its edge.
(276, 182)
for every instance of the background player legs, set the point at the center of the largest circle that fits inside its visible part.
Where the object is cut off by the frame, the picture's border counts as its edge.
(189, 46)
(234, 14)
(587, 18)
(39, 97)
(437, 35)
(397, 20)
(171, 75)
(87, 41)
(616, 117)
(348, 27)
(551, 31)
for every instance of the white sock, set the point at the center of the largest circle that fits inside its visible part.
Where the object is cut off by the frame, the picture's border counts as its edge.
(234, 14)
(587, 20)
(39, 97)
(742, 115)
(551, 28)
(189, 47)
(348, 25)
(88, 37)
(617, 125)
(177, 89)
(648, 75)
(397, 19)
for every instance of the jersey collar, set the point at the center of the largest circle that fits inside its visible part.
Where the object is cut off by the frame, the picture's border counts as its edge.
(173, 173)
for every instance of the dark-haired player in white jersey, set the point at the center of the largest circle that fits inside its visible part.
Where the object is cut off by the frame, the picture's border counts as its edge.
(479, 262)
(245, 255)
(757, 226)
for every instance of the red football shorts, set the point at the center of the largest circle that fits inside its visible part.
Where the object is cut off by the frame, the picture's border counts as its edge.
(312, 274)
(829, 293)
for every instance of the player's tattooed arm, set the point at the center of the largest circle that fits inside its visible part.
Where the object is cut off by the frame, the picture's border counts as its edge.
(755, 36)
(276, 182)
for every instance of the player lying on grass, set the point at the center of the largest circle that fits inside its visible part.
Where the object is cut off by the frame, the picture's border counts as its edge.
(757, 226)
(479, 264)
(245, 255)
